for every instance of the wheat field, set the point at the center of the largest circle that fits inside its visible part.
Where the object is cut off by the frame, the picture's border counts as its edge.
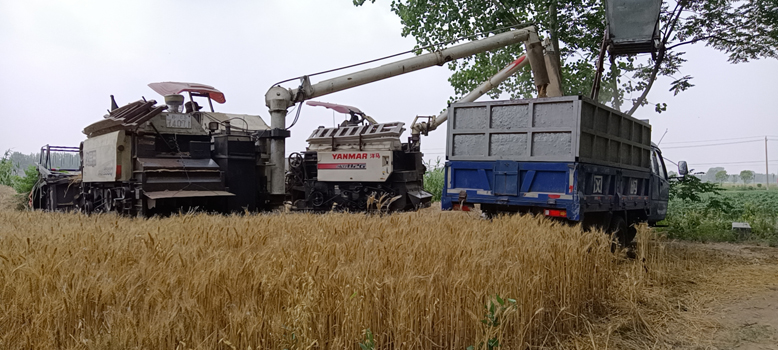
(296, 281)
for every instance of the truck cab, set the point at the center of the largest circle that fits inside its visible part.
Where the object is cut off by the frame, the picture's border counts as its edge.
(660, 187)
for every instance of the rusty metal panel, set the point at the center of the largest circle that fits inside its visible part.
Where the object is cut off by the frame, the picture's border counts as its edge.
(124, 118)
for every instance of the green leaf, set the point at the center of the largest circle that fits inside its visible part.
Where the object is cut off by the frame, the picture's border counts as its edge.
(499, 300)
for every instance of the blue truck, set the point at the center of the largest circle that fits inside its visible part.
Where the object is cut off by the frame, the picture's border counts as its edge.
(563, 157)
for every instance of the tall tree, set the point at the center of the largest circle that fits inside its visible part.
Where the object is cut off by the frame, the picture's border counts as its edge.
(722, 176)
(743, 29)
(746, 176)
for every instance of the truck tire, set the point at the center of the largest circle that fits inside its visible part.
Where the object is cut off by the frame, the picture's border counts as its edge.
(632, 231)
(619, 229)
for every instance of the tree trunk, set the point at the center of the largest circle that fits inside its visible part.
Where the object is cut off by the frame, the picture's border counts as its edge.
(615, 84)
(553, 23)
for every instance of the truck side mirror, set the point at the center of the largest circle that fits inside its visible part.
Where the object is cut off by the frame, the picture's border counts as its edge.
(683, 169)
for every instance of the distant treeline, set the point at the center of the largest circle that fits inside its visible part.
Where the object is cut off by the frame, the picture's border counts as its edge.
(710, 176)
(61, 160)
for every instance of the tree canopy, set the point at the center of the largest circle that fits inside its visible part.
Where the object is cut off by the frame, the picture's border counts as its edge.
(743, 29)
(747, 176)
(722, 176)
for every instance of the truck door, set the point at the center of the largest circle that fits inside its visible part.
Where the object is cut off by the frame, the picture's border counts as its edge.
(660, 188)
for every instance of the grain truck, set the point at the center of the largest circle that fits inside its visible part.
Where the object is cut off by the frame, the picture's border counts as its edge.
(563, 157)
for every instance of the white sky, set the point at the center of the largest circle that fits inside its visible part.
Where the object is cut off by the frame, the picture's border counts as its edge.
(61, 61)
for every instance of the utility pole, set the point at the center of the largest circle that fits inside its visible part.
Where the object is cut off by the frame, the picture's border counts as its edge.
(766, 167)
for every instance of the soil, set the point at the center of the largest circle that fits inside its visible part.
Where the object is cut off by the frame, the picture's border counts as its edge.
(737, 303)
(749, 324)
(750, 321)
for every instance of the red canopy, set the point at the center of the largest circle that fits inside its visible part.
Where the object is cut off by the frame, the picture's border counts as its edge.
(172, 88)
(338, 108)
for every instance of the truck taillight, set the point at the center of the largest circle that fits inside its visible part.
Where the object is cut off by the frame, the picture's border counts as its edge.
(556, 213)
(118, 171)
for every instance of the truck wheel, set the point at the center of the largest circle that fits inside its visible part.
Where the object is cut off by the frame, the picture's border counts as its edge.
(632, 231)
(620, 230)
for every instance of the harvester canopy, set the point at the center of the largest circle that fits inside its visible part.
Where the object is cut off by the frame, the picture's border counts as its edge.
(172, 88)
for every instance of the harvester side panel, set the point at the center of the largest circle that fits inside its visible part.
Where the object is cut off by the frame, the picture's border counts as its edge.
(107, 158)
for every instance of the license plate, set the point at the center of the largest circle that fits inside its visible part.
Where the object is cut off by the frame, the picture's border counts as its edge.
(179, 121)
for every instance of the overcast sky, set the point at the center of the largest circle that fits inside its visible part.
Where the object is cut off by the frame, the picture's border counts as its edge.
(62, 59)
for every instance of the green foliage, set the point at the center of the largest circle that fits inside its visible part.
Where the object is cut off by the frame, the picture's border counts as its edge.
(690, 188)
(24, 184)
(746, 176)
(722, 176)
(492, 320)
(433, 179)
(6, 170)
(8, 177)
(745, 30)
(711, 218)
(369, 343)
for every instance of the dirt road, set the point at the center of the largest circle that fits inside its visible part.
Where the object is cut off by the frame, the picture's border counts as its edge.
(726, 296)
(749, 319)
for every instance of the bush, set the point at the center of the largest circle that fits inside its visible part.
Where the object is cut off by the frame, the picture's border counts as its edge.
(711, 218)
(433, 179)
(24, 184)
(6, 169)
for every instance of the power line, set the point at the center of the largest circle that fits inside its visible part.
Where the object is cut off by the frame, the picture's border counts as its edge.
(731, 163)
(713, 144)
(715, 140)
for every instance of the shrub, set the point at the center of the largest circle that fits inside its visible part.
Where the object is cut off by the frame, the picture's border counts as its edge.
(433, 179)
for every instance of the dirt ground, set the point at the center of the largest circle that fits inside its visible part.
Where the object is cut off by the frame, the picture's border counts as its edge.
(748, 321)
(727, 299)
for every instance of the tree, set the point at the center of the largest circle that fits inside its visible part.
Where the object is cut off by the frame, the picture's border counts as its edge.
(721, 176)
(747, 176)
(710, 175)
(744, 30)
(690, 187)
(24, 184)
(6, 170)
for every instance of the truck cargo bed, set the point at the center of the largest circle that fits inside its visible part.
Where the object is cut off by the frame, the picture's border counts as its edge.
(559, 129)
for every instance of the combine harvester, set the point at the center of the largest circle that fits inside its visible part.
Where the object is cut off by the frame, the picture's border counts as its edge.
(143, 159)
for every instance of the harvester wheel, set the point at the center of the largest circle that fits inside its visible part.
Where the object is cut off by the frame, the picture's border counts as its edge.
(317, 198)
